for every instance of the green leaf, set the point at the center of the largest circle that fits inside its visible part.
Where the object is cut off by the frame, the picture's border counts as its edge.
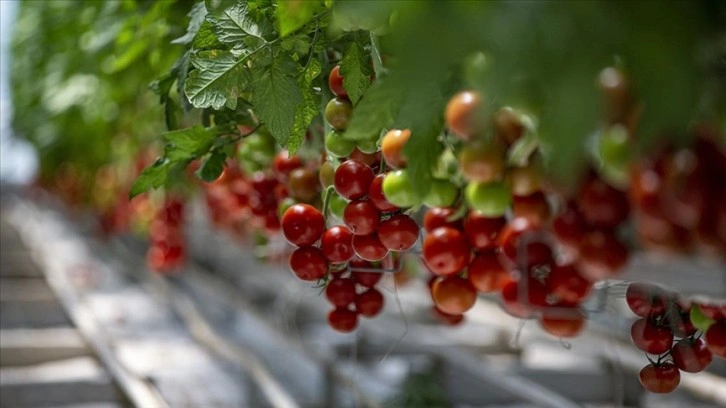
(356, 70)
(212, 168)
(196, 18)
(217, 80)
(308, 109)
(162, 85)
(293, 14)
(376, 110)
(276, 94)
(235, 26)
(205, 37)
(187, 143)
(298, 45)
(153, 176)
(422, 113)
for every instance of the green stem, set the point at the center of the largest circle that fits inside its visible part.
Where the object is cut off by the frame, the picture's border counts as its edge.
(326, 200)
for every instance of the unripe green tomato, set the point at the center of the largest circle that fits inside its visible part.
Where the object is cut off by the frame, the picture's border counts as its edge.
(336, 205)
(490, 199)
(443, 193)
(397, 189)
(257, 148)
(700, 320)
(326, 175)
(337, 145)
(368, 146)
(284, 205)
(614, 147)
(337, 113)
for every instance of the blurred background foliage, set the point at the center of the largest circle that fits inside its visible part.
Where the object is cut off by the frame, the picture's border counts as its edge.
(81, 69)
(80, 72)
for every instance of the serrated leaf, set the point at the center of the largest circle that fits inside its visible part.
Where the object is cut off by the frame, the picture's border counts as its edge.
(308, 109)
(422, 113)
(213, 5)
(212, 168)
(205, 37)
(276, 94)
(293, 14)
(296, 45)
(234, 25)
(217, 80)
(153, 176)
(190, 140)
(356, 70)
(376, 110)
(196, 18)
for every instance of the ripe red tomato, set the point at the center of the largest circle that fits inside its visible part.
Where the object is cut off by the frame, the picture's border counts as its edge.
(337, 244)
(438, 217)
(602, 256)
(522, 234)
(308, 263)
(713, 311)
(691, 356)
(685, 189)
(370, 159)
(523, 299)
(392, 147)
(602, 206)
(341, 291)
(453, 294)
(284, 163)
(482, 231)
(302, 224)
(343, 320)
(716, 338)
(376, 196)
(335, 81)
(562, 321)
(369, 247)
(398, 233)
(569, 227)
(646, 300)
(446, 251)
(661, 379)
(367, 279)
(651, 338)
(352, 179)
(486, 273)
(533, 207)
(461, 114)
(445, 318)
(369, 303)
(678, 320)
(565, 282)
(361, 217)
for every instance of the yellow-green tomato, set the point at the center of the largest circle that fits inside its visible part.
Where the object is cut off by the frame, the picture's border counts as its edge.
(490, 199)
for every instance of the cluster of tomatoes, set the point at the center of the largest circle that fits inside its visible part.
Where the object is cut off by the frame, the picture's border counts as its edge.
(680, 197)
(499, 238)
(665, 328)
(166, 235)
